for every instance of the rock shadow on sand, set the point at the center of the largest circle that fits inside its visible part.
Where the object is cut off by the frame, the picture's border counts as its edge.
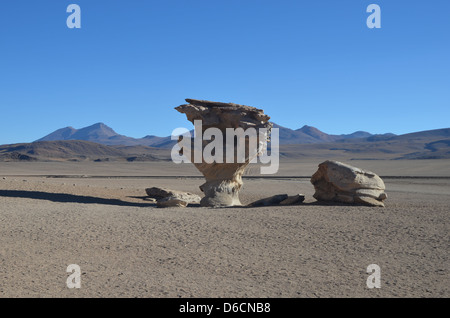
(69, 198)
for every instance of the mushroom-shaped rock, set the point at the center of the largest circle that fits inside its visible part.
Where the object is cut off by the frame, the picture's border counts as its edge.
(339, 182)
(229, 138)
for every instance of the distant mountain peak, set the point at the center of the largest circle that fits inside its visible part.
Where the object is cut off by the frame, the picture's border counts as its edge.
(96, 132)
(103, 134)
(315, 133)
(101, 125)
(98, 126)
(309, 129)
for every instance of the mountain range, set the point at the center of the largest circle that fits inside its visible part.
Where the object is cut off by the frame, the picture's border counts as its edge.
(102, 134)
(101, 143)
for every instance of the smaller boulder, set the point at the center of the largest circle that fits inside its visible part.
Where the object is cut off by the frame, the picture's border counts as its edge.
(340, 182)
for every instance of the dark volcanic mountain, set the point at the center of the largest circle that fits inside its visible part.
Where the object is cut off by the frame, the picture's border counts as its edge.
(102, 134)
(79, 150)
(102, 142)
(430, 144)
(58, 149)
(312, 135)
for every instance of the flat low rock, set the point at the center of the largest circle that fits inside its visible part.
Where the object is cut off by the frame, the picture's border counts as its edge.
(279, 199)
(340, 182)
(295, 199)
(273, 200)
(171, 202)
(167, 197)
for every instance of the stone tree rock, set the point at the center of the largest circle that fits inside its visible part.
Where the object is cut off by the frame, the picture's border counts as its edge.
(223, 177)
(339, 182)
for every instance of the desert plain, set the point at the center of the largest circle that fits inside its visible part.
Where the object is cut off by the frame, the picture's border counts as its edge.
(96, 215)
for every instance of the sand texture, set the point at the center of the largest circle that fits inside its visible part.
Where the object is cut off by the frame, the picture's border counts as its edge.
(126, 247)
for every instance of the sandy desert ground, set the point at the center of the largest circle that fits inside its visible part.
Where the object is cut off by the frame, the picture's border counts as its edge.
(95, 215)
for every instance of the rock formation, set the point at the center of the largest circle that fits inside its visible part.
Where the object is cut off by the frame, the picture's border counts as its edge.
(339, 182)
(279, 199)
(224, 178)
(171, 198)
(295, 199)
(273, 200)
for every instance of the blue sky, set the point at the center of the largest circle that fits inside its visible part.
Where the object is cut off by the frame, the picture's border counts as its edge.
(303, 62)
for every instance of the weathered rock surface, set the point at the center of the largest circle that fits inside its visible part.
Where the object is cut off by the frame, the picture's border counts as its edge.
(224, 179)
(273, 200)
(171, 202)
(340, 182)
(167, 197)
(295, 199)
(279, 199)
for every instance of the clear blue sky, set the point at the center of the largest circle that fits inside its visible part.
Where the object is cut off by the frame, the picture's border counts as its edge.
(304, 62)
